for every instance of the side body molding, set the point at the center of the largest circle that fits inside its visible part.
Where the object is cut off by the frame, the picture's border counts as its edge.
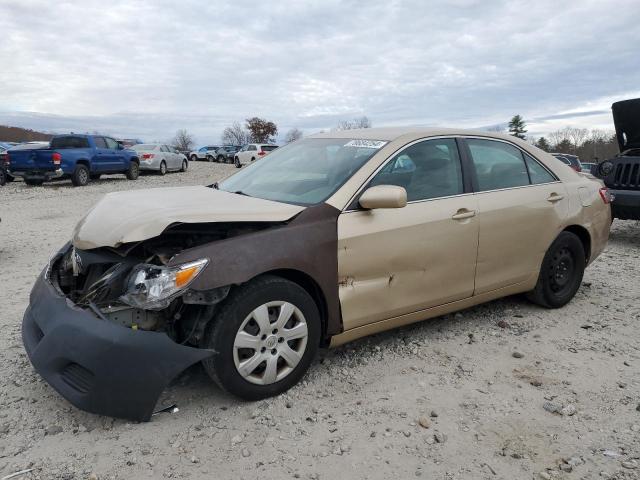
(307, 244)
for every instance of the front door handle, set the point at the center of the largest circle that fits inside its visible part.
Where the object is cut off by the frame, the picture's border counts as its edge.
(463, 213)
(554, 197)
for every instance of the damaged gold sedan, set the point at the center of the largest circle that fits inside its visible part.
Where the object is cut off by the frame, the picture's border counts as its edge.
(329, 239)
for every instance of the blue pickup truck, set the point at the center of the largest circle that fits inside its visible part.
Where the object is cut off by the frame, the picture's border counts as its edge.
(79, 157)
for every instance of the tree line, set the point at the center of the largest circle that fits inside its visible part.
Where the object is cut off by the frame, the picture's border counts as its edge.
(590, 145)
(258, 130)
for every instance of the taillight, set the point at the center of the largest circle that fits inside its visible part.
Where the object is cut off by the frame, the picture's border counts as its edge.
(148, 155)
(576, 168)
(606, 195)
(261, 153)
(57, 158)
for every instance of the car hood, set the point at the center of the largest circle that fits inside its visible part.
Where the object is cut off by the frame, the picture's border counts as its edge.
(626, 118)
(136, 215)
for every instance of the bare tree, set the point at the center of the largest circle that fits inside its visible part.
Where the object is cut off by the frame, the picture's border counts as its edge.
(577, 136)
(495, 128)
(362, 122)
(183, 140)
(557, 137)
(235, 135)
(293, 135)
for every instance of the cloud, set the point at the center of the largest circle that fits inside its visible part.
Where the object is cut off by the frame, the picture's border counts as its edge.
(147, 68)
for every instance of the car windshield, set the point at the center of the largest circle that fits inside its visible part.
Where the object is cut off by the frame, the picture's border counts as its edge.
(306, 172)
(144, 146)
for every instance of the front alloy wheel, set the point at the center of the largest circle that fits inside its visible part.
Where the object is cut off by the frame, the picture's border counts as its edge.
(265, 337)
(270, 342)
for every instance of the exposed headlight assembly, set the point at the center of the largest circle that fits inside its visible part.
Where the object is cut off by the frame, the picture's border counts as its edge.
(153, 287)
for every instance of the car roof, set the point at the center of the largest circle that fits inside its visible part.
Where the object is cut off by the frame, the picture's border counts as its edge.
(393, 133)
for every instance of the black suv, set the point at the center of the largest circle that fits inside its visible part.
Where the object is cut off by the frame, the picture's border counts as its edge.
(621, 174)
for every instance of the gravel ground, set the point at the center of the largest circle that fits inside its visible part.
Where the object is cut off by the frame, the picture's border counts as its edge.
(506, 390)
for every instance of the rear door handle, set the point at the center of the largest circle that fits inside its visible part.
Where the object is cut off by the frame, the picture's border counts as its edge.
(463, 213)
(554, 197)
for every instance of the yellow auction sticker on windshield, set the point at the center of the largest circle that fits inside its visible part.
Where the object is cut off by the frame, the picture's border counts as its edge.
(360, 143)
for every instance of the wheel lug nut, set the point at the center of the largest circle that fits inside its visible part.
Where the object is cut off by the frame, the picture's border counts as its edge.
(280, 340)
(273, 351)
(275, 330)
(264, 337)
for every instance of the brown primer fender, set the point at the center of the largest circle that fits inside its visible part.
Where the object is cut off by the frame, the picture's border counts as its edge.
(307, 244)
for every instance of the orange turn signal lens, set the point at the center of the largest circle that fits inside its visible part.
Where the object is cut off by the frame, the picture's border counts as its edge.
(184, 276)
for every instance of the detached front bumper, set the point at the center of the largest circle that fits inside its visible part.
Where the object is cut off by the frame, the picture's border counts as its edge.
(99, 366)
(626, 204)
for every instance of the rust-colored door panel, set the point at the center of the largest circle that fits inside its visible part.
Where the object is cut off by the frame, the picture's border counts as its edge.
(397, 261)
(516, 228)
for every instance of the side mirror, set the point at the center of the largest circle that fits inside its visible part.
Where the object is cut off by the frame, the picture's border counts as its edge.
(120, 146)
(383, 196)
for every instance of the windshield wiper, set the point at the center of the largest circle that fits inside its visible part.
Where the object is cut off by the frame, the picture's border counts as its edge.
(240, 192)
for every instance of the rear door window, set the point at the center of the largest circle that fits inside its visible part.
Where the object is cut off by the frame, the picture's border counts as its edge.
(100, 142)
(498, 164)
(537, 172)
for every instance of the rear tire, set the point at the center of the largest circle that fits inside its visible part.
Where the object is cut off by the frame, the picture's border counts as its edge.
(80, 176)
(220, 159)
(236, 160)
(3, 177)
(163, 168)
(134, 171)
(210, 159)
(33, 182)
(561, 272)
(288, 347)
(9, 178)
(194, 158)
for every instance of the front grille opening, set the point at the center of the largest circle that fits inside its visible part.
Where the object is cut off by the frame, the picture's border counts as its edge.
(77, 377)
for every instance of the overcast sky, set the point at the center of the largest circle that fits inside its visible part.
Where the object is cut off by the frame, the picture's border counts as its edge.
(144, 69)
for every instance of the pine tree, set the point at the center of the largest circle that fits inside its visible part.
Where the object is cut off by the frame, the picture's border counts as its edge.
(517, 127)
(543, 144)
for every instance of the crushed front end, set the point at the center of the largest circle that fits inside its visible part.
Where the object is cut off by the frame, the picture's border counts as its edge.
(110, 328)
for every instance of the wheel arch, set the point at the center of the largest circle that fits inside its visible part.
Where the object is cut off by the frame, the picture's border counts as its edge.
(312, 287)
(584, 236)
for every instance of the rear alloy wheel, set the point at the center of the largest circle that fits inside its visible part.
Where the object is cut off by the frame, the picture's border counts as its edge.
(185, 165)
(163, 168)
(134, 171)
(236, 160)
(210, 158)
(265, 337)
(80, 176)
(194, 158)
(561, 273)
(220, 159)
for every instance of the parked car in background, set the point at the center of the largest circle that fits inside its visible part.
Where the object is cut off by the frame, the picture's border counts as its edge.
(224, 154)
(3, 173)
(587, 166)
(622, 172)
(3, 165)
(130, 142)
(572, 160)
(202, 152)
(252, 152)
(160, 158)
(325, 242)
(4, 156)
(79, 157)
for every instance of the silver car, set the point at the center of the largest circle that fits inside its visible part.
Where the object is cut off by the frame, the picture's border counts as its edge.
(160, 158)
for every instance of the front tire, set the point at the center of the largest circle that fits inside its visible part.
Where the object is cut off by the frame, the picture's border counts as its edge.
(220, 159)
(80, 176)
(210, 159)
(265, 337)
(561, 272)
(185, 165)
(236, 161)
(134, 171)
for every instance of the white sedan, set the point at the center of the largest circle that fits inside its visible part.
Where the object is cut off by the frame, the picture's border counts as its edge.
(160, 158)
